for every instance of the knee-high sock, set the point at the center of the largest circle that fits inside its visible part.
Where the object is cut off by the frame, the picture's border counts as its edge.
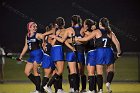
(38, 82)
(32, 78)
(74, 81)
(44, 82)
(70, 81)
(92, 83)
(58, 83)
(100, 81)
(83, 81)
(110, 76)
(53, 79)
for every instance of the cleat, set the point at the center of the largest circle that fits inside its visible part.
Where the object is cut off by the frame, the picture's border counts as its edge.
(71, 90)
(100, 91)
(83, 91)
(60, 91)
(35, 91)
(108, 88)
(90, 91)
(48, 89)
(76, 91)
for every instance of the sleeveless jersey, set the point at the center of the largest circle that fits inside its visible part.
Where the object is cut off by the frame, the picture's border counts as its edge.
(57, 42)
(104, 40)
(48, 47)
(79, 47)
(33, 42)
(90, 45)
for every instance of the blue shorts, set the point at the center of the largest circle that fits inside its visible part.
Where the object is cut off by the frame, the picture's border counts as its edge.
(36, 55)
(91, 58)
(57, 53)
(104, 56)
(46, 61)
(71, 57)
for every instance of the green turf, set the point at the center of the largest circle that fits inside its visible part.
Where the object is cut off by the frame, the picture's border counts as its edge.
(28, 87)
(126, 69)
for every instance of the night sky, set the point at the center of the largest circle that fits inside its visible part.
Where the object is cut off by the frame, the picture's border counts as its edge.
(124, 16)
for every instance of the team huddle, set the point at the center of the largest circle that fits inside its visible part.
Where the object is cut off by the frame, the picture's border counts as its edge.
(81, 45)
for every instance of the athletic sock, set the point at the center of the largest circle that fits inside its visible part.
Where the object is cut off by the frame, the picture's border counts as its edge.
(53, 79)
(70, 81)
(95, 82)
(58, 83)
(100, 81)
(78, 81)
(32, 78)
(44, 82)
(110, 76)
(83, 81)
(38, 82)
(74, 81)
(92, 83)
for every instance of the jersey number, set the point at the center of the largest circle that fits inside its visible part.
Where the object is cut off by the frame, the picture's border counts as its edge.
(30, 46)
(105, 41)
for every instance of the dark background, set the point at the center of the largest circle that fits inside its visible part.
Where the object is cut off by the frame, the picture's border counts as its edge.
(124, 16)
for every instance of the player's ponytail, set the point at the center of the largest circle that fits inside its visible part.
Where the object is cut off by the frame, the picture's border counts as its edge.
(105, 23)
(60, 22)
(89, 24)
(76, 19)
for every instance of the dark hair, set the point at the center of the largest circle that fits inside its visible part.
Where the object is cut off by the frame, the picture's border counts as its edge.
(60, 22)
(89, 24)
(76, 19)
(105, 24)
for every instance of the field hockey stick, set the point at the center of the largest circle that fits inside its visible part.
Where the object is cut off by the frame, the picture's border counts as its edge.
(14, 58)
(21, 60)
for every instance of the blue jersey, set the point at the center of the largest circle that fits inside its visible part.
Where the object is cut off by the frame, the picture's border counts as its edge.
(104, 52)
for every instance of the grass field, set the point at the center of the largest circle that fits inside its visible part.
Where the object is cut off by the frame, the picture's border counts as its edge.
(126, 70)
(28, 87)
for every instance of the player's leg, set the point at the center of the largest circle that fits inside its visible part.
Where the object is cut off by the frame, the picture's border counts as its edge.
(91, 78)
(37, 75)
(110, 75)
(99, 69)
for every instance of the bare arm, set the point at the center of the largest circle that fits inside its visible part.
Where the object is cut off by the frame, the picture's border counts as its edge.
(82, 32)
(39, 36)
(69, 46)
(92, 35)
(64, 37)
(44, 35)
(24, 49)
(117, 43)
